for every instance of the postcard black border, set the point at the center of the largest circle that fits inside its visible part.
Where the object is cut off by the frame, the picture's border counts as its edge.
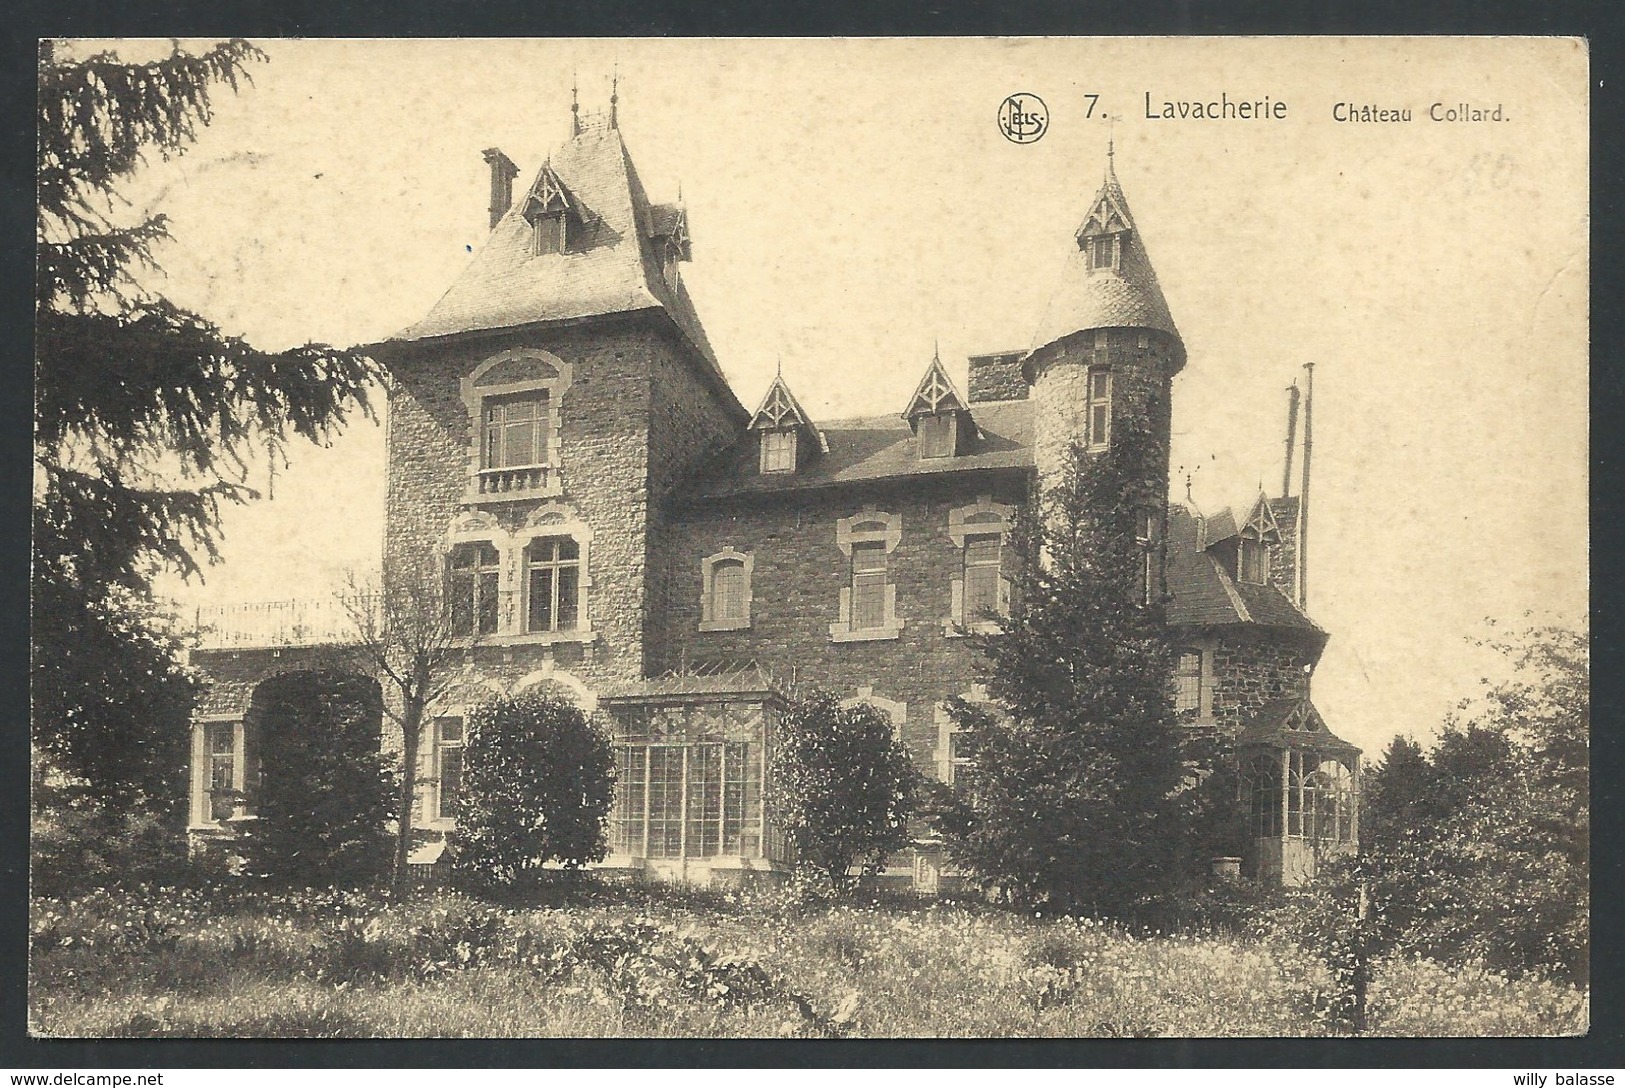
(1600, 23)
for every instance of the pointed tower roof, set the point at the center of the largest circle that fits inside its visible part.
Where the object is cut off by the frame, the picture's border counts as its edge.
(611, 264)
(1123, 294)
(935, 393)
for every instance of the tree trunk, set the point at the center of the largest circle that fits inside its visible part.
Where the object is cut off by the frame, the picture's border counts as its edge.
(411, 737)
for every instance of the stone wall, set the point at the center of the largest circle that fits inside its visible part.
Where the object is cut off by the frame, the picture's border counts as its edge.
(604, 452)
(798, 573)
(1142, 363)
(997, 377)
(1251, 668)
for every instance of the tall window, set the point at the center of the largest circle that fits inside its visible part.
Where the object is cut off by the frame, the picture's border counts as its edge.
(472, 579)
(1253, 560)
(728, 592)
(778, 451)
(448, 765)
(983, 564)
(1101, 255)
(937, 436)
(1098, 406)
(553, 584)
(1188, 683)
(221, 738)
(1328, 803)
(515, 431)
(1264, 788)
(868, 584)
(549, 233)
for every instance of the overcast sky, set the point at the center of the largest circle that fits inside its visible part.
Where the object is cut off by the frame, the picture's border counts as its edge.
(852, 202)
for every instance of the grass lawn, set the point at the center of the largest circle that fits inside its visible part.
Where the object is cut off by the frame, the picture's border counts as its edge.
(181, 963)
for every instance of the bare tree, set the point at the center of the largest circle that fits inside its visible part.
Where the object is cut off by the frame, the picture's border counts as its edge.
(412, 636)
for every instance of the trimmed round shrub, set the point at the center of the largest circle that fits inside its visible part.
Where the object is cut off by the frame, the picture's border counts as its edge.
(538, 781)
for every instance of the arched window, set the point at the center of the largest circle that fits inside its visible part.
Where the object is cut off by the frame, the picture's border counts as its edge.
(868, 602)
(513, 403)
(1262, 783)
(725, 593)
(473, 573)
(979, 532)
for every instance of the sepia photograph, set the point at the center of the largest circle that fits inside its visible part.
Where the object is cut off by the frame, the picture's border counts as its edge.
(823, 538)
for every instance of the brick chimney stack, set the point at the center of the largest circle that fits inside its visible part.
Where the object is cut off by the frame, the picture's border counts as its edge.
(503, 171)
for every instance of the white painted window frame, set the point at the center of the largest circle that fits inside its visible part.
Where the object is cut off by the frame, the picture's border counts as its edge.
(942, 756)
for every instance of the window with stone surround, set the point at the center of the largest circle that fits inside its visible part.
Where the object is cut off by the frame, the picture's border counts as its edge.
(448, 766)
(868, 602)
(218, 771)
(979, 532)
(473, 587)
(552, 584)
(1098, 408)
(1188, 683)
(725, 590)
(513, 404)
(895, 711)
(949, 757)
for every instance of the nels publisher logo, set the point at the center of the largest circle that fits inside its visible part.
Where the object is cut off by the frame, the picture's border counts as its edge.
(1023, 118)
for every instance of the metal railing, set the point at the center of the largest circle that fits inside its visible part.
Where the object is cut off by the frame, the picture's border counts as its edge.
(310, 621)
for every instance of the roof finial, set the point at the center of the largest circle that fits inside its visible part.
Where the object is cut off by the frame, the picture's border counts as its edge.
(936, 353)
(614, 95)
(575, 105)
(779, 370)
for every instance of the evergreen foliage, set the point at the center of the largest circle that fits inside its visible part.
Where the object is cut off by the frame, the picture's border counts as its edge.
(1478, 850)
(146, 417)
(841, 788)
(1073, 796)
(322, 794)
(538, 780)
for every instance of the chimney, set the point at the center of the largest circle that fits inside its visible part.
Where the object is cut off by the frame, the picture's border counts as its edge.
(503, 171)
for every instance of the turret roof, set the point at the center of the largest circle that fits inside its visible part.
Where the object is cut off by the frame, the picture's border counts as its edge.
(613, 269)
(1125, 295)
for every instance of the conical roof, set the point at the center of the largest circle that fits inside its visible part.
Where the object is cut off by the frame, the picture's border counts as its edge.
(1123, 295)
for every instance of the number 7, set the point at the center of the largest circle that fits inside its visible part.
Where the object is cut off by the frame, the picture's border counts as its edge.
(1093, 98)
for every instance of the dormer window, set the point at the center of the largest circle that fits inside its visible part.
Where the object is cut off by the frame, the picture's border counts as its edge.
(780, 424)
(549, 233)
(1253, 546)
(547, 208)
(937, 413)
(1252, 560)
(778, 451)
(937, 435)
(1101, 252)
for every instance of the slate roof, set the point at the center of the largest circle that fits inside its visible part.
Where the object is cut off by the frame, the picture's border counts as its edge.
(1124, 297)
(878, 448)
(1272, 726)
(615, 270)
(1203, 593)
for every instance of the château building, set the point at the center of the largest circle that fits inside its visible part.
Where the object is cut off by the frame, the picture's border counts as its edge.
(616, 527)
